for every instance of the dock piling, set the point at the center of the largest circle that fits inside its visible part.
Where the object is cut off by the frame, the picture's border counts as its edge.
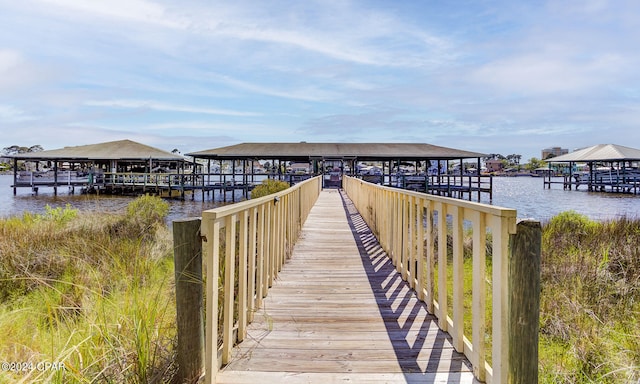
(189, 299)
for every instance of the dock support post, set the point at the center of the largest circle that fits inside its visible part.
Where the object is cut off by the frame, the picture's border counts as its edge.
(189, 299)
(524, 302)
(55, 178)
(15, 176)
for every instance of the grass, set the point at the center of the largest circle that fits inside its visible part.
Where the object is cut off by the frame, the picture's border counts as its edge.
(91, 291)
(590, 299)
(95, 292)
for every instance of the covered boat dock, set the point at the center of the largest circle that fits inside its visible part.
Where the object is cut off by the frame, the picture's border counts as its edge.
(116, 167)
(416, 166)
(128, 167)
(600, 168)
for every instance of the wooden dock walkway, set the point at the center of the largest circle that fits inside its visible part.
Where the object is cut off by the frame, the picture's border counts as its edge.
(340, 313)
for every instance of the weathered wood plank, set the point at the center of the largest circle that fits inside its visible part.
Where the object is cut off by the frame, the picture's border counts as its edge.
(339, 311)
(248, 377)
(296, 363)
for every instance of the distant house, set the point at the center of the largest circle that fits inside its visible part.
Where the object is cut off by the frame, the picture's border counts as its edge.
(493, 165)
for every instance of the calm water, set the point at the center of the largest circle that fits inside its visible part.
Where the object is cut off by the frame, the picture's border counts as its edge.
(26, 201)
(526, 194)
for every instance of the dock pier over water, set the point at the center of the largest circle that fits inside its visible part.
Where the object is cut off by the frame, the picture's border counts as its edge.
(365, 284)
(339, 311)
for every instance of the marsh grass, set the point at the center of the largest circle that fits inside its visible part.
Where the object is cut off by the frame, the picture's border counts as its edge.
(590, 302)
(590, 299)
(92, 291)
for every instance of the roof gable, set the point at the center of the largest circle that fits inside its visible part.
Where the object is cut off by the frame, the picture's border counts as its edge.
(306, 150)
(113, 150)
(600, 152)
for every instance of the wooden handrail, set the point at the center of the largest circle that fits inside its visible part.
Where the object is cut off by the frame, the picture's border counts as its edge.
(252, 239)
(255, 236)
(410, 226)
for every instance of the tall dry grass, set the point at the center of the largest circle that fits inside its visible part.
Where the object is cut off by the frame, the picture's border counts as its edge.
(91, 291)
(590, 302)
(590, 299)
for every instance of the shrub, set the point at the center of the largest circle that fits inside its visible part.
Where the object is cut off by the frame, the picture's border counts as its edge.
(143, 216)
(268, 187)
(72, 292)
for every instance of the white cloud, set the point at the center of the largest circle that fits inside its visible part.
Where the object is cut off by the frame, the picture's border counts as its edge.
(159, 106)
(336, 70)
(309, 93)
(341, 31)
(9, 60)
(17, 72)
(139, 11)
(548, 73)
(10, 114)
(246, 130)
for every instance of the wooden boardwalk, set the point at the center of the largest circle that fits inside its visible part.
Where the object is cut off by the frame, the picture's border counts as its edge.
(340, 313)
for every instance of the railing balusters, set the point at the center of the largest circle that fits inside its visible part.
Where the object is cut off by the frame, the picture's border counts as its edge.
(443, 309)
(479, 295)
(395, 225)
(242, 276)
(404, 224)
(402, 237)
(421, 268)
(458, 279)
(266, 230)
(268, 261)
(252, 275)
(500, 296)
(430, 254)
(229, 286)
(261, 265)
(211, 228)
(412, 240)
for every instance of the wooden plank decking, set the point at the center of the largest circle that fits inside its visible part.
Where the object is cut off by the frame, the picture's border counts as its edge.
(339, 312)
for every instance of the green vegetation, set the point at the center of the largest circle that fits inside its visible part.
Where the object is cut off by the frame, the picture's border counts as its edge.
(590, 303)
(535, 163)
(590, 299)
(95, 292)
(91, 291)
(14, 150)
(268, 187)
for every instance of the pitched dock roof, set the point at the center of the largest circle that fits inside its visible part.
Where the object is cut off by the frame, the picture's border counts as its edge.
(113, 150)
(362, 151)
(600, 152)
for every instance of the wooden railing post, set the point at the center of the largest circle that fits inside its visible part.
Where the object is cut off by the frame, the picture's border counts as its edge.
(524, 302)
(187, 253)
(264, 230)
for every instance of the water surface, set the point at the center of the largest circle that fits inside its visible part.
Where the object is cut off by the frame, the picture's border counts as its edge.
(526, 194)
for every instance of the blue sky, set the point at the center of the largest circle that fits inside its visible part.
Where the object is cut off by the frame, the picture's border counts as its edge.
(509, 77)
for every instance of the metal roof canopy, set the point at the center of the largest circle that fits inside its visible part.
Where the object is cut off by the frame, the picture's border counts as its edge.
(123, 150)
(600, 152)
(361, 151)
